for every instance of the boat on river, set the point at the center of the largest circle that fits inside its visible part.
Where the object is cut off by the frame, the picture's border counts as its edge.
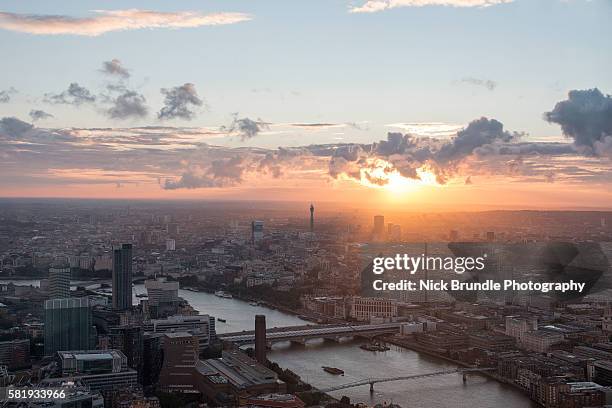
(374, 347)
(333, 370)
(223, 294)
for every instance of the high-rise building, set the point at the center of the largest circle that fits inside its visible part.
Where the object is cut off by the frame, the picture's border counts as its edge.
(160, 291)
(122, 277)
(152, 358)
(68, 325)
(260, 338)
(379, 225)
(257, 230)
(128, 339)
(181, 351)
(311, 217)
(162, 298)
(105, 372)
(59, 281)
(201, 326)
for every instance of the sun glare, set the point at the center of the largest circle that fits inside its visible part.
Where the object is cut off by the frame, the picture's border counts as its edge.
(384, 175)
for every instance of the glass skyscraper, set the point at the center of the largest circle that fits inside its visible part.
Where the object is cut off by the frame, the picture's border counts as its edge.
(68, 325)
(122, 277)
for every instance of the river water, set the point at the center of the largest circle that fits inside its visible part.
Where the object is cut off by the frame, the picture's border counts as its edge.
(443, 391)
(306, 361)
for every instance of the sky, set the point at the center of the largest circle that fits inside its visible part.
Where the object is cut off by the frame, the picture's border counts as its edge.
(452, 104)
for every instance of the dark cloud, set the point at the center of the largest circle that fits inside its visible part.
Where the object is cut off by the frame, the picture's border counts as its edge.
(586, 117)
(75, 95)
(37, 114)
(486, 83)
(6, 95)
(245, 128)
(478, 133)
(128, 105)
(114, 67)
(14, 128)
(179, 102)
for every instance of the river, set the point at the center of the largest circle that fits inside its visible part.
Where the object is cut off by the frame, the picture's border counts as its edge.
(306, 361)
(443, 391)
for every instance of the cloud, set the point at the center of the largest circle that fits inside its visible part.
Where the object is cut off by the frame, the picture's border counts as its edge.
(407, 154)
(75, 95)
(603, 147)
(13, 127)
(128, 105)
(586, 117)
(177, 158)
(220, 173)
(114, 67)
(5, 95)
(179, 102)
(245, 128)
(486, 83)
(37, 114)
(480, 132)
(105, 21)
(373, 6)
(428, 129)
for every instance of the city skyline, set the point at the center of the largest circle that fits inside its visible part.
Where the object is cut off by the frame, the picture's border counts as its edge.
(445, 105)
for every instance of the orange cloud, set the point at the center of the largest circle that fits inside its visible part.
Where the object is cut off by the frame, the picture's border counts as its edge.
(113, 20)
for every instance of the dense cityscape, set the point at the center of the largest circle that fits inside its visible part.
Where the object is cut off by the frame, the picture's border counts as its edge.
(90, 304)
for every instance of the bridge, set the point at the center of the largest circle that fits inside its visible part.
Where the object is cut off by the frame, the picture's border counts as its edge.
(303, 333)
(372, 381)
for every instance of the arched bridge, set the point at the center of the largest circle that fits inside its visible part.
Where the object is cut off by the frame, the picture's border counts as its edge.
(372, 381)
(303, 333)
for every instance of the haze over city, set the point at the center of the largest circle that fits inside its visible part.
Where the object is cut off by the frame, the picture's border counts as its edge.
(374, 102)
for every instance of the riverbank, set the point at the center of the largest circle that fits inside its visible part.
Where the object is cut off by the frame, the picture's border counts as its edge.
(420, 349)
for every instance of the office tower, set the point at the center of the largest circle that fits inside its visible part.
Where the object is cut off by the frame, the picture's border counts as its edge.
(68, 324)
(311, 217)
(122, 277)
(160, 291)
(201, 326)
(378, 232)
(490, 236)
(181, 353)
(59, 281)
(379, 225)
(260, 338)
(152, 358)
(162, 299)
(257, 230)
(128, 339)
(105, 372)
